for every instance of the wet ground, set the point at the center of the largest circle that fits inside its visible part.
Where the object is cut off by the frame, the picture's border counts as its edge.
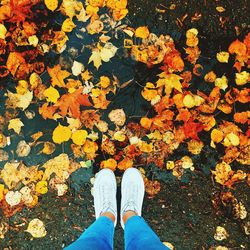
(183, 212)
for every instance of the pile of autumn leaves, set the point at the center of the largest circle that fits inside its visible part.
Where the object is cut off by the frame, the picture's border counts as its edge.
(77, 101)
(182, 114)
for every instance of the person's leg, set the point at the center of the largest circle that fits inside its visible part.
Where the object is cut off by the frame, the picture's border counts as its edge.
(138, 234)
(99, 236)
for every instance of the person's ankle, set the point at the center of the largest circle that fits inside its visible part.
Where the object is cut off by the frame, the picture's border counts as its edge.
(127, 215)
(109, 215)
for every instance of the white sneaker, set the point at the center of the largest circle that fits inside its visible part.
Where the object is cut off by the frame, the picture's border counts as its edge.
(104, 193)
(132, 189)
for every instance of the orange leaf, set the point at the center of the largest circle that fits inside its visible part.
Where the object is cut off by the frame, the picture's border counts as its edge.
(237, 47)
(247, 40)
(58, 75)
(14, 61)
(70, 103)
(241, 117)
(46, 111)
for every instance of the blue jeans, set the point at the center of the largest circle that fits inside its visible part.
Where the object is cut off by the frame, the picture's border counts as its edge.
(99, 236)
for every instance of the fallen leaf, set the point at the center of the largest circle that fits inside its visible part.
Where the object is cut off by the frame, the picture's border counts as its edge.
(68, 25)
(51, 94)
(61, 134)
(3, 31)
(23, 149)
(71, 102)
(242, 78)
(110, 163)
(48, 148)
(59, 165)
(19, 101)
(41, 187)
(220, 234)
(142, 32)
(222, 82)
(222, 56)
(220, 9)
(58, 75)
(13, 198)
(77, 68)
(15, 124)
(36, 228)
(51, 4)
(170, 81)
(117, 116)
(79, 137)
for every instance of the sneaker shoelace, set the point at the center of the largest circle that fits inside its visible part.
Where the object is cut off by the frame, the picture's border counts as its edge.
(107, 198)
(131, 203)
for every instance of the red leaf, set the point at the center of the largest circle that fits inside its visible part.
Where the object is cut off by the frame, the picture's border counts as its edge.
(191, 129)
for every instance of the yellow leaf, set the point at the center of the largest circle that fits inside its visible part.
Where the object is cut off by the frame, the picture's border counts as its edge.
(189, 101)
(35, 80)
(231, 139)
(156, 135)
(33, 40)
(61, 134)
(96, 3)
(222, 57)
(42, 187)
(90, 148)
(1, 191)
(3, 31)
(222, 82)
(96, 58)
(104, 82)
(170, 165)
(191, 32)
(142, 32)
(242, 78)
(86, 75)
(192, 39)
(222, 172)
(60, 166)
(51, 4)
(20, 101)
(68, 25)
(217, 135)
(146, 148)
(22, 87)
(119, 136)
(51, 94)
(220, 9)
(107, 52)
(170, 81)
(36, 228)
(79, 137)
(16, 125)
